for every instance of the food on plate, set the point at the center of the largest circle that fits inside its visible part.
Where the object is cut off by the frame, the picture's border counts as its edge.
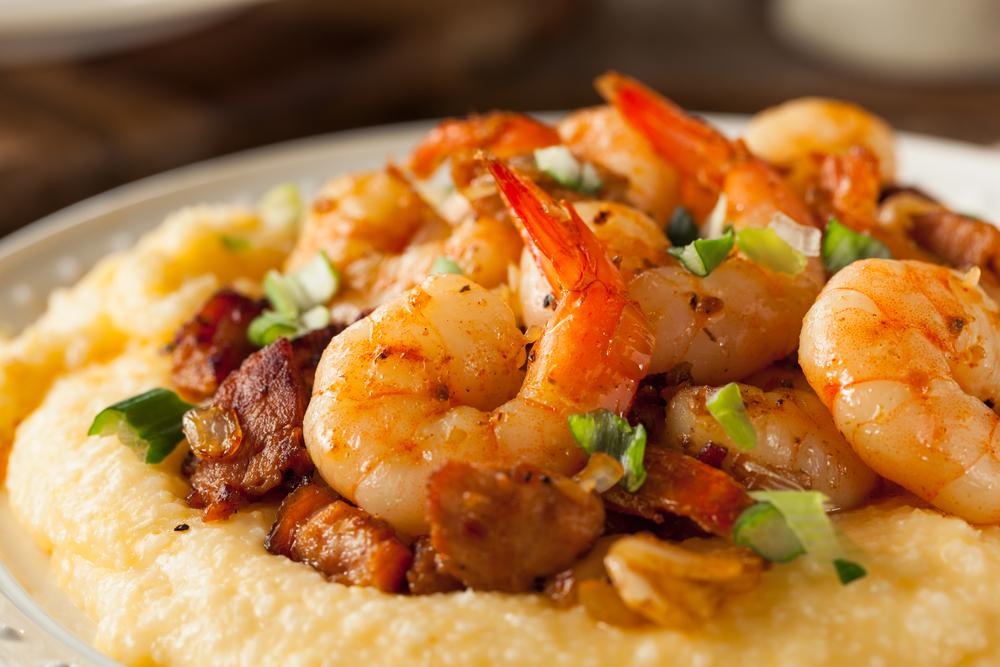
(621, 390)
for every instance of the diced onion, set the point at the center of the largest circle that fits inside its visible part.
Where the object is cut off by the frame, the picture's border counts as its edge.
(214, 433)
(804, 238)
(715, 224)
(765, 248)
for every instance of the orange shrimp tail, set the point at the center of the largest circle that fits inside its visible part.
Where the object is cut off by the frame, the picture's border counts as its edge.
(575, 257)
(503, 133)
(689, 143)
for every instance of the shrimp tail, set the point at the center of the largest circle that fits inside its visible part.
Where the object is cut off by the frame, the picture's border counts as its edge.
(691, 144)
(565, 249)
(505, 134)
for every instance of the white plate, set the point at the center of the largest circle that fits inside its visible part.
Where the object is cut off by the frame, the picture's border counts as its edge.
(34, 30)
(39, 626)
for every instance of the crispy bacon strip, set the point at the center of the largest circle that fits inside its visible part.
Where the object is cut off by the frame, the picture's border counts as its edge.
(427, 574)
(507, 530)
(343, 542)
(679, 484)
(269, 397)
(213, 344)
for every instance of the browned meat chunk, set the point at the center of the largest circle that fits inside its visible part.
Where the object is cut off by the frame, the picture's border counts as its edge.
(308, 350)
(508, 530)
(269, 397)
(343, 542)
(213, 343)
(427, 575)
(679, 484)
(958, 240)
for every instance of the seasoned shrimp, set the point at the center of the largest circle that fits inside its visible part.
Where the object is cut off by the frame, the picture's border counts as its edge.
(791, 134)
(433, 375)
(601, 136)
(799, 447)
(741, 317)
(904, 356)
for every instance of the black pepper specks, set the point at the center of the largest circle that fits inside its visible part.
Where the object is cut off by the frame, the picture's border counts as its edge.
(180, 528)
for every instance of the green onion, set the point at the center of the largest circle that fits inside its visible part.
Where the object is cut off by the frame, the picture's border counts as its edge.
(702, 256)
(805, 238)
(726, 405)
(149, 424)
(281, 206)
(603, 431)
(234, 243)
(561, 165)
(765, 248)
(841, 247)
(270, 326)
(682, 231)
(806, 517)
(445, 265)
(296, 292)
(715, 225)
(763, 528)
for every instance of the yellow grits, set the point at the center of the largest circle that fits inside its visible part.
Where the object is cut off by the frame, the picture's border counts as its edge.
(213, 596)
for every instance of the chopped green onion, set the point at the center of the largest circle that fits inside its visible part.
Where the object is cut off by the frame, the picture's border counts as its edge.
(726, 405)
(234, 243)
(805, 238)
(765, 248)
(561, 165)
(281, 206)
(806, 517)
(445, 265)
(763, 528)
(149, 424)
(296, 292)
(841, 247)
(270, 326)
(715, 225)
(682, 231)
(316, 318)
(603, 431)
(702, 256)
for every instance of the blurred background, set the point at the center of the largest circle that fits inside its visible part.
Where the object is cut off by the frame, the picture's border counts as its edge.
(97, 93)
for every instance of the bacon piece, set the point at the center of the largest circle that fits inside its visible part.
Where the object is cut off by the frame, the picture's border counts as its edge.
(958, 240)
(308, 350)
(427, 575)
(506, 531)
(679, 484)
(343, 542)
(212, 344)
(269, 397)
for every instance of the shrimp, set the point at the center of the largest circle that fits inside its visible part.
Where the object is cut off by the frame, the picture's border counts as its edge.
(433, 376)
(741, 317)
(904, 356)
(600, 135)
(797, 134)
(799, 447)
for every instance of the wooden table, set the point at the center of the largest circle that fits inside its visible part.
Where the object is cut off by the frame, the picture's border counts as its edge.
(294, 68)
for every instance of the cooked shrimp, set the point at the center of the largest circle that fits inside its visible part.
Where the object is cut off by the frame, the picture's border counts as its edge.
(601, 136)
(904, 356)
(433, 375)
(790, 134)
(741, 317)
(799, 447)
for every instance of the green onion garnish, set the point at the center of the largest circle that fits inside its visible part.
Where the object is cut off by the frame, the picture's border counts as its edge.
(762, 528)
(281, 206)
(234, 243)
(561, 165)
(806, 518)
(841, 247)
(765, 248)
(149, 424)
(296, 292)
(726, 405)
(445, 265)
(270, 326)
(700, 257)
(603, 431)
(682, 231)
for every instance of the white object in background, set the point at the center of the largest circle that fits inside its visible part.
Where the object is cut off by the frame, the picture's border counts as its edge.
(33, 31)
(911, 39)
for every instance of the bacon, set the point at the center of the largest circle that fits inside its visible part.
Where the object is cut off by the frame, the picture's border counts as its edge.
(343, 542)
(678, 484)
(308, 350)
(427, 574)
(212, 344)
(269, 397)
(958, 240)
(508, 530)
